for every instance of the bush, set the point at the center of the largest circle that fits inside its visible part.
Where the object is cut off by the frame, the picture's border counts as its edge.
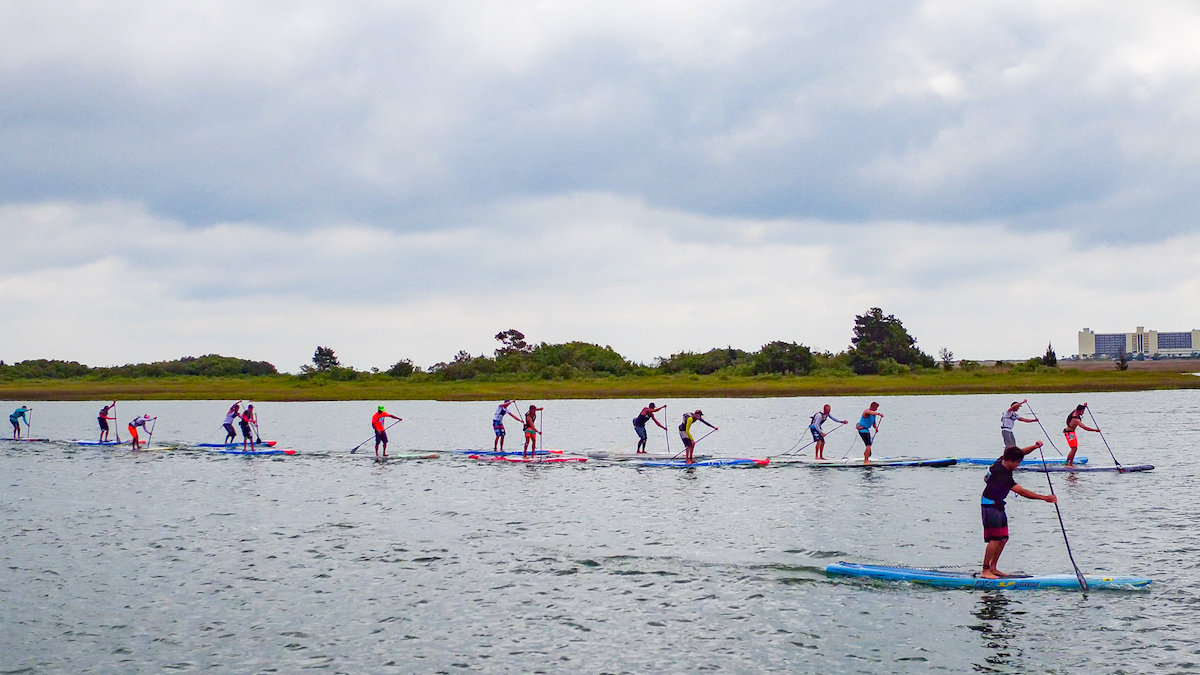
(968, 365)
(402, 368)
(784, 357)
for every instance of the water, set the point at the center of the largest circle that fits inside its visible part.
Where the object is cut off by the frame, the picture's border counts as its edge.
(178, 561)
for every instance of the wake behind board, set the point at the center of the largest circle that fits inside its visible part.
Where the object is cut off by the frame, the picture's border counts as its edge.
(989, 461)
(269, 444)
(272, 451)
(946, 579)
(526, 460)
(725, 461)
(1038, 466)
(852, 462)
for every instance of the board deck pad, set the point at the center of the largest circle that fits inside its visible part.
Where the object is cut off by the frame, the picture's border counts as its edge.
(949, 579)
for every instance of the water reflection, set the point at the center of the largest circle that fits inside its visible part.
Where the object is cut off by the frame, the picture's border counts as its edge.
(998, 626)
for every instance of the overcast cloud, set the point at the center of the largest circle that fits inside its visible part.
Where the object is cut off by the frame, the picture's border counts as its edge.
(407, 179)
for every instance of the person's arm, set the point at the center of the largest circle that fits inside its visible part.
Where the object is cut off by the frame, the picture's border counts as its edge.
(510, 414)
(706, 422)
(837, 420)
(660, 424)
(1022, 419)
(1029, 494)
(1086, 427)
(1031, 448)
(395, 418)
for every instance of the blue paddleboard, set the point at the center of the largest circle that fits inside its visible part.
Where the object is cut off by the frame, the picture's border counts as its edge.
(968, 580)
(681, 464)
(1038, 466)
(1029, 459)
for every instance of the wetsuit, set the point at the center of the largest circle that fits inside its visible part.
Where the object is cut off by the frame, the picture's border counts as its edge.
(997, 484)
(814, 425)
(17, 416)
(864, 427)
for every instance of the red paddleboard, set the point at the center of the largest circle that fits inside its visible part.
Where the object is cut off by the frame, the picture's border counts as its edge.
(526, 460)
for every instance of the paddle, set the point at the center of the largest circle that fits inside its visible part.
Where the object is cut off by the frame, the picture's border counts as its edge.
(373, 437)
(1039, 421)
(694, 443)
(116, 427)
(1110, 452)
(1078, 575)
(29, 423)
(153, 423)
(789, 453)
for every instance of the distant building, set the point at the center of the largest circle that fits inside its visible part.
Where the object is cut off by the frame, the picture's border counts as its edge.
(1141, 342)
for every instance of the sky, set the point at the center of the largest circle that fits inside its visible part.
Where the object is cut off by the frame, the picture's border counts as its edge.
(407, 179)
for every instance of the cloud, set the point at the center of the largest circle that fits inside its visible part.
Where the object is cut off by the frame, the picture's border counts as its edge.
(1070, 116)
(114, 283)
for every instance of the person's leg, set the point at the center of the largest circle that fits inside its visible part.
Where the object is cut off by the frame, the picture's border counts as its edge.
(385, 442)
(991, 557)
(1073, 444)
(819, 452)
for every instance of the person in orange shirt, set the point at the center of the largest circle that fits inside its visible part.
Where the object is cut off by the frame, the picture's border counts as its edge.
(380, 432)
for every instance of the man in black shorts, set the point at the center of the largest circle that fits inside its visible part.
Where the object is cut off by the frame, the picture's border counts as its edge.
(997, 484)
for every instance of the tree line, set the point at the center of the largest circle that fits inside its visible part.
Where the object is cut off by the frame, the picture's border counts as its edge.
(880, 346)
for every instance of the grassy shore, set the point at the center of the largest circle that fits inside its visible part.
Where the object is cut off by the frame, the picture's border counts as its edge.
(290, 388)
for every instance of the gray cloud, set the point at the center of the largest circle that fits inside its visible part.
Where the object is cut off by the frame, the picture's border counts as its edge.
(1037, 115)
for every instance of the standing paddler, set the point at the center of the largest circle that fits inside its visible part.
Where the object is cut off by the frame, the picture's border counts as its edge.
(870, 418)
(639, 424)
(380, 432)
(1009, 419)
(814, 427)
(685, 432)
(104, 418)
(16, 418)
(531, 431)
(133, 428)
(498, 423)
(233, 414)
(997, 484)
(245, 423)
(1075, 421)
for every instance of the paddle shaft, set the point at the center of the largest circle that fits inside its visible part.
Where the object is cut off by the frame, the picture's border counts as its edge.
(694, 443)
(116, 427)
(1110, 452)
(1083, 585)
(1039, 421)
(868, 430)
(150, 439)
(373, 437)
(797, 452)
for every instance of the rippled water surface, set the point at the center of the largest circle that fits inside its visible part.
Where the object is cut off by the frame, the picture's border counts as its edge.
(114, 561)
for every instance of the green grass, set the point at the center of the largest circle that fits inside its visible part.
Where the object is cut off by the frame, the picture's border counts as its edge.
(290, 388)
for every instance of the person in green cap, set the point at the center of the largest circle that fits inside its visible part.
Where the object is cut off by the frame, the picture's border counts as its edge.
(380, 432)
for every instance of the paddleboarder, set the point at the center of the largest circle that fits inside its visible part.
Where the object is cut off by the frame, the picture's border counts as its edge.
(814, 427)
(380, 432)
(1075, 421)
(639, 424)
(103, 419)
(531, 431)
(233, 414)
(498, 423)
(997, 484)
(245, 422)
(133, 427)
(685, 431)
(16, 418)
(870, 418)
(1009, 419)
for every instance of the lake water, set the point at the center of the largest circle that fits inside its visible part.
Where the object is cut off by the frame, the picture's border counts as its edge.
(122, 562)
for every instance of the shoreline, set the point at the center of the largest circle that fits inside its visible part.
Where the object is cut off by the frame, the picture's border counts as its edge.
(292, 388)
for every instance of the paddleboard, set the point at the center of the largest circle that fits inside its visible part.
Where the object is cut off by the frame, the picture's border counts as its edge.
(29, 440)
(79, 442)
(990, 460)
(269, 444)
(1037, 466)
(153, 448)
(969, 580)
(726, 461)
(526, 460)
(851, 462)
(503, 453)
(649, 456)
(255, 452)
(408, 455)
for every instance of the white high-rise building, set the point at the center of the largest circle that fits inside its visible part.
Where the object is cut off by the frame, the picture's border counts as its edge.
(1141, 342)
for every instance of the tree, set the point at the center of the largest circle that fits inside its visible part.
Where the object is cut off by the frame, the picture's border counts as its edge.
(1122, 362)
(878, 337)
(784, 357)
(403, 368)
(325, 360)
(947, 359)
(512, 341)
(1050, 359)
